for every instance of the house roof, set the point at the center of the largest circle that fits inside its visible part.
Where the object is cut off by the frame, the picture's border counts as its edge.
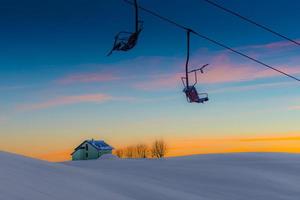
(97, 144)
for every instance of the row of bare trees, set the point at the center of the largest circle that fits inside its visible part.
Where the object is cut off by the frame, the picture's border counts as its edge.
(158, 149)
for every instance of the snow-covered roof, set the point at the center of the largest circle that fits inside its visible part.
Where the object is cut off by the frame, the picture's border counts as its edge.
(98, 144)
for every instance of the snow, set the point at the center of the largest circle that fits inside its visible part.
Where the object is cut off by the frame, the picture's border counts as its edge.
(99, 144)
(246, 176)
(108, 156)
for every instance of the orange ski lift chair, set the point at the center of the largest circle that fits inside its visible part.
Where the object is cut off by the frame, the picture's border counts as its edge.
(125, 41)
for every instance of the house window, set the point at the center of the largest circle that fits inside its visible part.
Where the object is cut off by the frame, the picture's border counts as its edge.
(86, 154)
(86, 147)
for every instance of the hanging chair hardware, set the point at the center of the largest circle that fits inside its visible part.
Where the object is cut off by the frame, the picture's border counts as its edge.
(199, 69)
(124, 40)
(190, 90)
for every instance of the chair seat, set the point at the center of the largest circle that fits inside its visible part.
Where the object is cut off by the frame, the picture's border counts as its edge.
(193, 96)
(126, 41)
(202, 100)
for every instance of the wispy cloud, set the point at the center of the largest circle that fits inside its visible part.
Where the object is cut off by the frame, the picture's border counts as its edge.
(294, 108)
(221, 70)
(224, 69)
(65, 100)
(253, 87)
(273, 45)
(267, 139)
(125, 69)
(160, 82)
(88, 78)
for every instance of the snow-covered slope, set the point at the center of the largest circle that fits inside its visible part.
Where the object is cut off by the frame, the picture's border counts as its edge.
(212, 177)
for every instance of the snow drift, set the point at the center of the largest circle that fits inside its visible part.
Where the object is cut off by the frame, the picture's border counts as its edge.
(209, 177)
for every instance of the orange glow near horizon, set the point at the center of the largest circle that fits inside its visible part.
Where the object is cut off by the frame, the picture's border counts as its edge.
(208, 146)
(181, 147)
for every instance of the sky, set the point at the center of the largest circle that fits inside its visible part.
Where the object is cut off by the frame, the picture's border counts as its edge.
(58, 87)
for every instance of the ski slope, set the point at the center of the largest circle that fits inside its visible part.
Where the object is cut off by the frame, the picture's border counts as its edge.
(245, 176)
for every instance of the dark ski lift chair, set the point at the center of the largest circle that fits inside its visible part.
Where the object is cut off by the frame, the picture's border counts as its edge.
(125, 41)
(190, 91)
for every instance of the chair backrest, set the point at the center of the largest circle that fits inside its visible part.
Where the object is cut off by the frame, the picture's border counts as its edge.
(192, 94)
(132, 40)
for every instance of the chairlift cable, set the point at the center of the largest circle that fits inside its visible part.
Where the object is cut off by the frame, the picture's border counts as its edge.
(251, 21)
(157, 15)
(246, 56)
(213, 41)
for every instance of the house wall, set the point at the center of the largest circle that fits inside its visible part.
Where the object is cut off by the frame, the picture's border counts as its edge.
(104, 152)
(78, 155)
(91, 153)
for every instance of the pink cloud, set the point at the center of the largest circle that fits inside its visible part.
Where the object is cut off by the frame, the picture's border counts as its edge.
(160, 82)
(273, 45)
(224, 70)
(219, 74)
(221, 70)
(294, 108)
(253, 87)
(65, 100)
(236, 73)
(119, 70)
(87, 78)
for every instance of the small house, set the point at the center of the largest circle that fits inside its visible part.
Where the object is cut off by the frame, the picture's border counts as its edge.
(91, 149)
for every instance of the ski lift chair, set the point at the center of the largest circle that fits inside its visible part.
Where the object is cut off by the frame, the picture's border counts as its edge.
(191, 92)
(125, 41)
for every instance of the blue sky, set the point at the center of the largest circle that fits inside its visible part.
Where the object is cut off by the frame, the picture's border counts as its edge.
(55, 78)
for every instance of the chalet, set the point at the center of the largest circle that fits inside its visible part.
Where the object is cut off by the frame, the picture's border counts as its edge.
(91, 149)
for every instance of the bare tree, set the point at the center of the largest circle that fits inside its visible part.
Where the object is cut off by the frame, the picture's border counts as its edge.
(119, 153)
(130, 152)
(141, 150)
(159, 149)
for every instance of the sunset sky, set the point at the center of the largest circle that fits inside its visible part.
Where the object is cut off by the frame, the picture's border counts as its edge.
(57, 87)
